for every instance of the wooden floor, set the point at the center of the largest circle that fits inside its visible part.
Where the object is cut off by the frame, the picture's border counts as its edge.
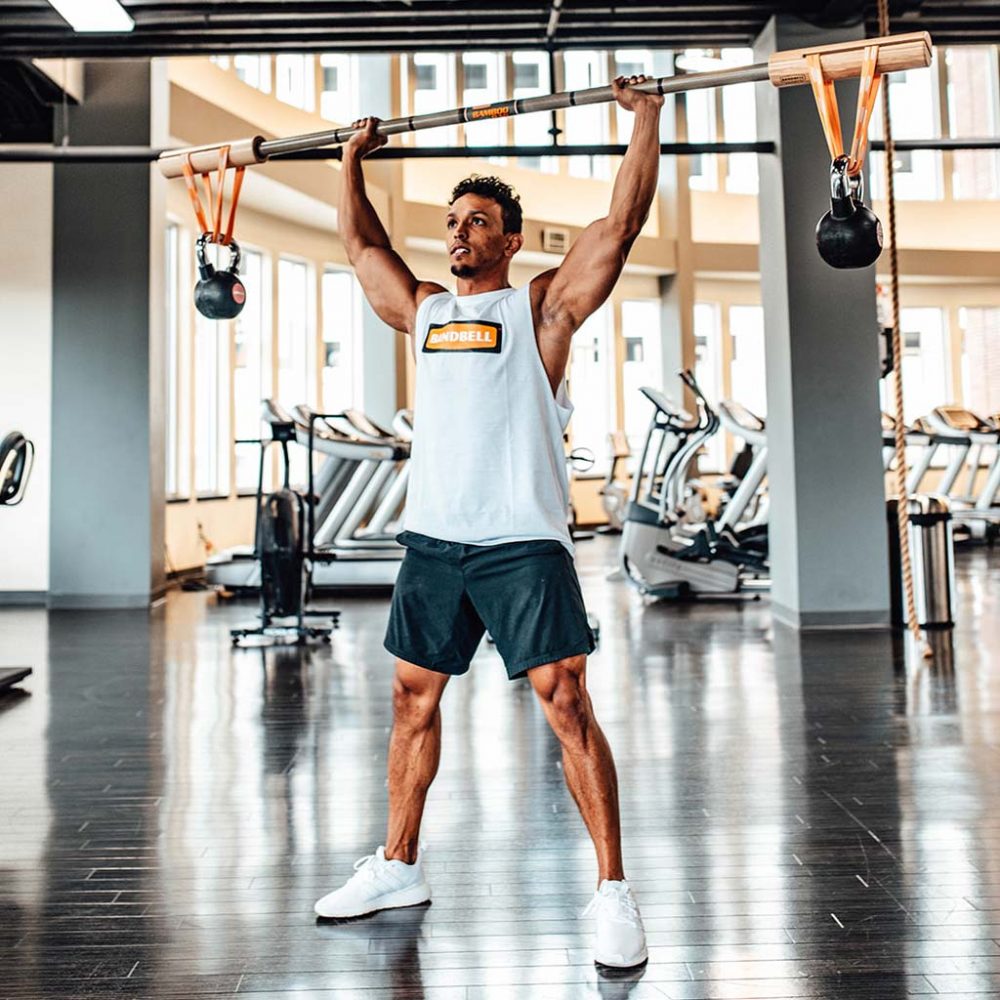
(805, 815)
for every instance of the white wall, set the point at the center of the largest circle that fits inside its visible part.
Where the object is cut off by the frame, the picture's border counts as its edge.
(26, 364)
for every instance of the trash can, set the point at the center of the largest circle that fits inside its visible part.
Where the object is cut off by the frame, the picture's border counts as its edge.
(933, 556)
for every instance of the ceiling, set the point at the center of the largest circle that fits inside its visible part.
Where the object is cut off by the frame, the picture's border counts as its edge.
(179, 27)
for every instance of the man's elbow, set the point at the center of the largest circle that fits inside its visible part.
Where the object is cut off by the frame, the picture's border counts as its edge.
(625, 230)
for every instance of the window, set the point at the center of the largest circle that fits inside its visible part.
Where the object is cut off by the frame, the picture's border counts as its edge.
(483, 75)
(251, 365)
(708, 372)
(972, 111)
(177, 429)
(739, 124)
(643, 364)
(339, 99)
(630, 62)
(586, 125)
(590, 376)
(342, 340)
(531, 79)
(211, 405)
(701, 123)
(981, 359)
(434, 90)
(255, 71)
(914, 115)
(296, 84)
(296, 311)
(748, 383)
(925, 363)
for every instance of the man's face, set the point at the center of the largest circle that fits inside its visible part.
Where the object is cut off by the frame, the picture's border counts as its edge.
(476, 240)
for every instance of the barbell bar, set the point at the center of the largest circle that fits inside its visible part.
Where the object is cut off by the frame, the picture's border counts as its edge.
(839, 61)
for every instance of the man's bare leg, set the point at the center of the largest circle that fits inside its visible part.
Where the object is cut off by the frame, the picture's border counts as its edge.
(414, 754)
(588, 765)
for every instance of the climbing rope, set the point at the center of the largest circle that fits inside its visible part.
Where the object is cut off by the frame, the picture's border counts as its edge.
(902, 507)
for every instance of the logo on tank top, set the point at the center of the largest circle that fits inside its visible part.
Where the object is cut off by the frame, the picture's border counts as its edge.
(466, 335)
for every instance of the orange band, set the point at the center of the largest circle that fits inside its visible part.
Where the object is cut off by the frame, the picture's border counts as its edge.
(215, 198)
(867, 94)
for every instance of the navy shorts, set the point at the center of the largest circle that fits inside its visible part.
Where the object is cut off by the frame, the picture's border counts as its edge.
(448, 595)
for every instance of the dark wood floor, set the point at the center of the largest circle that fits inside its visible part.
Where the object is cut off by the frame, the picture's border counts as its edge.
(805, 816)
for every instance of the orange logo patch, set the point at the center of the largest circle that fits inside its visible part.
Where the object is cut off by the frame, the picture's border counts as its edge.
(470, 335)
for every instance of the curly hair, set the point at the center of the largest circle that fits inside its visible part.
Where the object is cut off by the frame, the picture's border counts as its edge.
(499, 191)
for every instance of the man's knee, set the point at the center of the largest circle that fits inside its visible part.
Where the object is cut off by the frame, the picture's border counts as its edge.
(416, 694)
(562, 690)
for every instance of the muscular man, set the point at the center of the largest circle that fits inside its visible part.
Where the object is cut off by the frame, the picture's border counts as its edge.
(486, 535)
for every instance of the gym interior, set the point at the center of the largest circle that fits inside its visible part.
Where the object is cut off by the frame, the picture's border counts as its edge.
(797, 671)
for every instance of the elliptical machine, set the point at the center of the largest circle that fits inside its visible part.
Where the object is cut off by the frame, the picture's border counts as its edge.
(661, 555)
(279, 547)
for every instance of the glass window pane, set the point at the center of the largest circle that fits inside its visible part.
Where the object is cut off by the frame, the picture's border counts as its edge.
(972, 112)
(701, 122)
(339, 99)
(434, 90)
(643, 364)
(296, 83)
(708, 372)
(925, 363)
(747, 374)
(739, 124)
(295, 326)
(251, 382)
(211, 387)
(531, 79)
(591, 385)
(172, 322)
(981, 360)
(586, 125)
(342, 340)
(630, 62)
(483, 74)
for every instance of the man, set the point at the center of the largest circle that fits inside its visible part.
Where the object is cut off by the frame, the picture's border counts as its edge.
(486, 535)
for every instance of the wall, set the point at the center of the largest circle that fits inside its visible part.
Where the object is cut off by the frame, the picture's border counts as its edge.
(26, 369)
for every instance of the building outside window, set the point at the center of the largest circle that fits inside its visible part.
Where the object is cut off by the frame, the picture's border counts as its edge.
(739, 124)
(926, 378)
(702, 123)
(484, 78)
(254, 71)
(630, 62)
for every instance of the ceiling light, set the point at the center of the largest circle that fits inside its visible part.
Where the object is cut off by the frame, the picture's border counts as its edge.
(94, 15)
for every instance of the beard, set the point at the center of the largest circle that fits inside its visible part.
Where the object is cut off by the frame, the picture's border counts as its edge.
(463, 270)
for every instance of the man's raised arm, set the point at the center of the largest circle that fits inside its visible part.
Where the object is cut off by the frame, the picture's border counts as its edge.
(562, 299)
(388, 284)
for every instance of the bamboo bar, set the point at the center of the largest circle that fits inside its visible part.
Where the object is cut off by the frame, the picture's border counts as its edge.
(783, 69)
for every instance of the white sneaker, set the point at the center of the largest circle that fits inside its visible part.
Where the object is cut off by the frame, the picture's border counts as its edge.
(620, 941)
(378, 884)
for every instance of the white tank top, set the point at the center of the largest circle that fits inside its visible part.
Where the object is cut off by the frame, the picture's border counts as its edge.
(487, 464)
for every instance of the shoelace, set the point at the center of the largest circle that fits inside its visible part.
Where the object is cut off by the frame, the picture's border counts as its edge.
(368, 868)
(618, 904)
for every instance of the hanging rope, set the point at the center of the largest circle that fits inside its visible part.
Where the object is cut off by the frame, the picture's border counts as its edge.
(902, 507)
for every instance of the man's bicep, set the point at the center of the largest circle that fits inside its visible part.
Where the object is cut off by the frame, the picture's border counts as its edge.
(584, 280)
(389, 286)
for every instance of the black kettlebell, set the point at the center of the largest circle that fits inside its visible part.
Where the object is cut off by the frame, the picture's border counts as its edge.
(850, 234)
(218, 294)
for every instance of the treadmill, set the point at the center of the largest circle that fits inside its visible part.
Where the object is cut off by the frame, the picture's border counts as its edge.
(974, 507)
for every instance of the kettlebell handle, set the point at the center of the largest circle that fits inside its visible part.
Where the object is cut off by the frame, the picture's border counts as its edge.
(846, 192)
(205, 268)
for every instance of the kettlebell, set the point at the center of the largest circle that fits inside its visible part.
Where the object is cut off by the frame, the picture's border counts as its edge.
(850, 234)
(218, 294)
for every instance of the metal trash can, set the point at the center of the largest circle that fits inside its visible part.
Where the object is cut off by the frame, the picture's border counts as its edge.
(933, 555)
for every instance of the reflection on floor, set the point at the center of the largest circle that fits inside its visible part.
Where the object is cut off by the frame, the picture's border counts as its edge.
(805, 815)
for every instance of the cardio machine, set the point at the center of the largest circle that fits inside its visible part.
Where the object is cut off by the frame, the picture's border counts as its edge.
(17, 456)
(658, 556)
